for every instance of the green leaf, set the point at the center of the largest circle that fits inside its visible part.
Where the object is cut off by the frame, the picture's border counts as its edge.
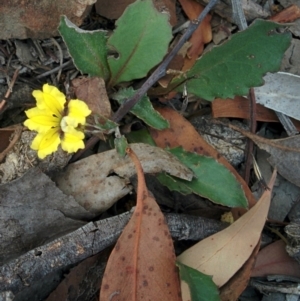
(140, 136)
(143, 109)
(141, 40)
(121, 144)
(239, 64)
(104, 123)
(173, 184)
(87, 48)
(213, 180)
(201, 286)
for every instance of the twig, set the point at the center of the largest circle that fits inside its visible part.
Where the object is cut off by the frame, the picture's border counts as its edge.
(250, 144)
(16, 135)
(61, 57)
(54, 69)
(9, 90)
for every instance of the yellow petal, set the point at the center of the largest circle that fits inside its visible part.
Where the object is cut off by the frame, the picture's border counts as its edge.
(50, 99)
(72, 142)
(40, 120)
(78, 110)
(46, 143)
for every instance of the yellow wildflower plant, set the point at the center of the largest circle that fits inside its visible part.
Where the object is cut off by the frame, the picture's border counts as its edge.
(56, 121)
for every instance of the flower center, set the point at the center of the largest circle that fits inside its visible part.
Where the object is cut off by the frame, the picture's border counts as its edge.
(68, 124)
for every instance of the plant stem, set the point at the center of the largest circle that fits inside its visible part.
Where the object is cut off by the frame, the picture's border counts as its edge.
(162, 68)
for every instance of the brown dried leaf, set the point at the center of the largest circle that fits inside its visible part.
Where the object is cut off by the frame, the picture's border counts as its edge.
(222, 254)
(92, 90)
(273, 259)
(202, 34)
(142, 264)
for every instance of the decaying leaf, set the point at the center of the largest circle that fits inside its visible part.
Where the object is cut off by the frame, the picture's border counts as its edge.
(222, 254)
(93, 92)
(285, 153)
(142, 264)
(90, 181)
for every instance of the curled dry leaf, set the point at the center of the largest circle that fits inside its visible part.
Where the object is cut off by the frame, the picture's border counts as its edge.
(90, 181)
(142, 264)
(222, 254)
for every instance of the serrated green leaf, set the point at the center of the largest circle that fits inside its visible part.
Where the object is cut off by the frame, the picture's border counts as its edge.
(143, 109)
(201, 286)
(239, 64)
(212, 179)
(141, 39)
(87, 48)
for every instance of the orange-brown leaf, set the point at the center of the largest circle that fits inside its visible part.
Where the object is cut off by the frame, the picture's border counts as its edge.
(142, 264)
(202, 34)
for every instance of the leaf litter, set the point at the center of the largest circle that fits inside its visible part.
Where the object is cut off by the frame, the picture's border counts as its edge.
(104, 69)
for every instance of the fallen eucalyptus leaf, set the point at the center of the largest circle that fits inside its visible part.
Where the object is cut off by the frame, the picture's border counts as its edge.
(223, 254)
(91, 182)
(280, 93)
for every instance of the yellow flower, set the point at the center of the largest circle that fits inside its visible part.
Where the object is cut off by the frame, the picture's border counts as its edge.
(56, 121)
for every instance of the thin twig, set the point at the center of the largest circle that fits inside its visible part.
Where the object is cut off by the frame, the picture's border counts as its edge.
(61, 57)
(9, 90)
(16, 135)
(250, 144)
(54, 69)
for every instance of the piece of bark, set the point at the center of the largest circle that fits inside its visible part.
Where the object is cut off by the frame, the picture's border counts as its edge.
(29, 269)
(33, 211)
(39, 19)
